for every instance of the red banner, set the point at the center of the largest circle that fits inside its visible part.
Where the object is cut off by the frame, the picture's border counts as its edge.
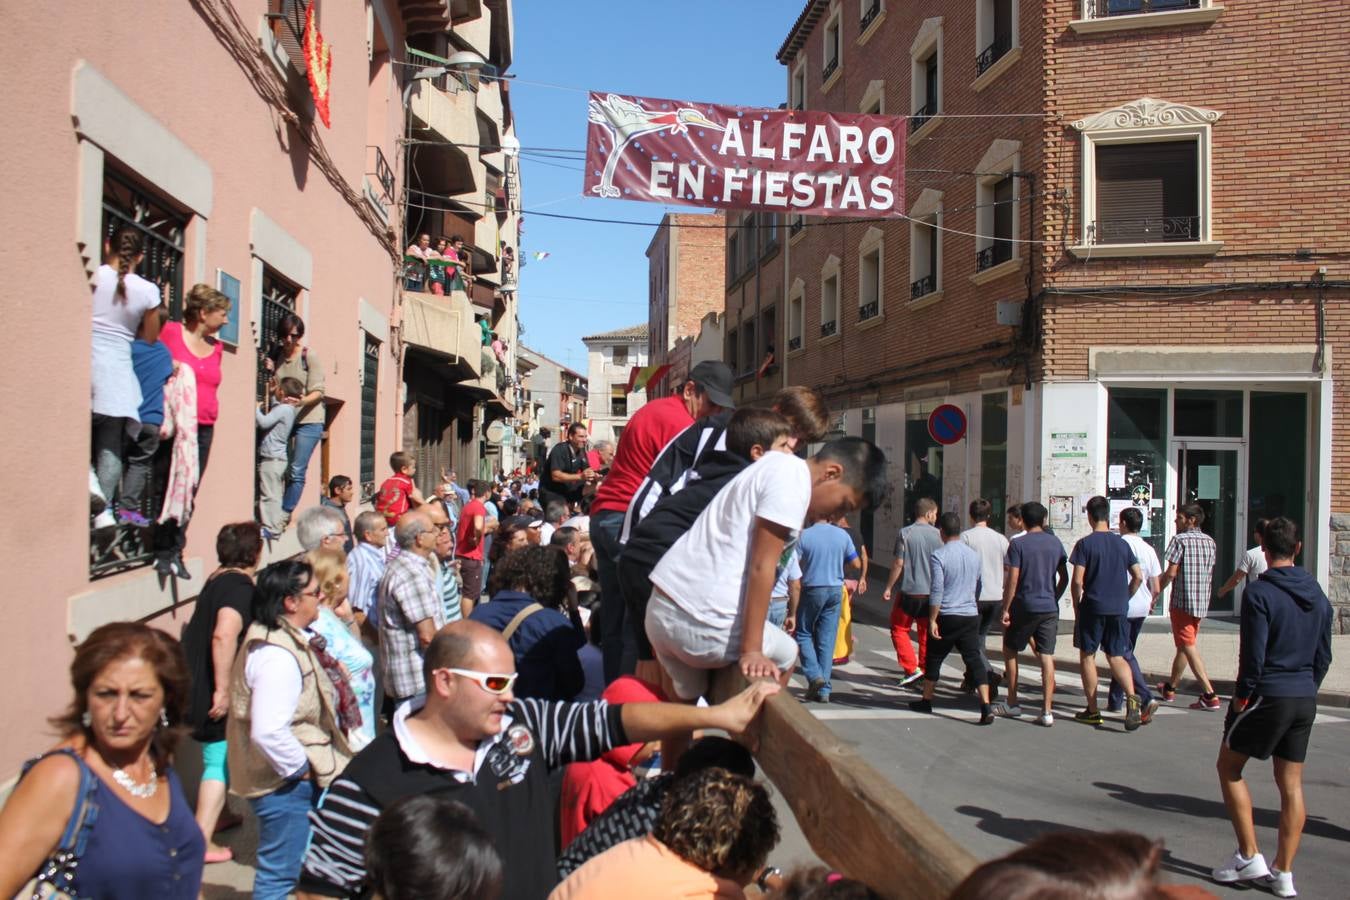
(731, 157)
(318, 65)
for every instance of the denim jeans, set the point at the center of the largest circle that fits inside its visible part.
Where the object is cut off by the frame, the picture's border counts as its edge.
(778, 611)
(817, 626)
(1115, 697)
(283, 835)
(306, 438)
(618, 643)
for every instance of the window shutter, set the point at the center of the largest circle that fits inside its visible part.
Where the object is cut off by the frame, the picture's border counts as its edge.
(1147, 193)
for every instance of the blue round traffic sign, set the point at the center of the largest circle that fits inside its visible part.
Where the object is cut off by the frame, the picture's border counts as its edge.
(947, 424)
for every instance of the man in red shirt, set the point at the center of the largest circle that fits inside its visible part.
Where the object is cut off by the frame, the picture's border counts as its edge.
(707, 390)
(469, 544)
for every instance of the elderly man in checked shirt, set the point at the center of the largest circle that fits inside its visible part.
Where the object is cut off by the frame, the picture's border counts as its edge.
(1190, 566)
(411, 607)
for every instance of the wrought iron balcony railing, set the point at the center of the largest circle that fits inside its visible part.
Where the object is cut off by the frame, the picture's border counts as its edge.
(993, 53)
(829, 69)
(995, 253)
(794, 343)
(829, 329)
(1151, 230)
(924, 286)
(1102, 9)
(870, 15)
(920, 116)
(869, 311)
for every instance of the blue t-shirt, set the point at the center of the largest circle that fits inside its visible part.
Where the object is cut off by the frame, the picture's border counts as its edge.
(1037, 556)
(824, 549)
(153, 365)
(1107, 558)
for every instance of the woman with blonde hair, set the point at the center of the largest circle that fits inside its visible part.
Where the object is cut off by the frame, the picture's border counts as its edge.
(194, 347)
(337, 625)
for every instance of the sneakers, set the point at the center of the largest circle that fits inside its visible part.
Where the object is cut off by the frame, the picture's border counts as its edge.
(987, 715)
(1132, 714)
(1008, 712)
(132, 517)
(1167, 692)
(921, 706)
(180, 569)
(1146, 716)
(1046, 720)
(822, 696)
(1281, 884)
(1239, 869)
(910, 677)
(1210, 701)
(813, 689)
(1088, 717)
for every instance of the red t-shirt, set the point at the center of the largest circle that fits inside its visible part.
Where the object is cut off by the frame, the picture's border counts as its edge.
(647, 434)
(466, 545)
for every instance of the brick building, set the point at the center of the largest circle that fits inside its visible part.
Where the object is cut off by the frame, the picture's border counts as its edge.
(1105, 262)
(685, 265)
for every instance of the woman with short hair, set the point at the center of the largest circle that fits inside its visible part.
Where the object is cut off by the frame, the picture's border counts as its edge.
(103, 813)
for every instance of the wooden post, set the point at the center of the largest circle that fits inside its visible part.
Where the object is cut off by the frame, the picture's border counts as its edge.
(855, 820)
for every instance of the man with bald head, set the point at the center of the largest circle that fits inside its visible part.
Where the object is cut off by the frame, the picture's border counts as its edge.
(411, 609)
(473, 741)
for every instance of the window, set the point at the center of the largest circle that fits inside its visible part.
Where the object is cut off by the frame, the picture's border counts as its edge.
(1118, 15)
(620, 356)
(926, 78)
(279, 297)
(733, 249)
(871, 9)
(795, 321)
(768, 321)
(769, 232)
(732, 352)
(749, 352)
(829, 298)
(998, 241)
(995, 37)
(831, 50)
(370, 373)
(797, 86)
(1146, 181)
(618, 400)
(161, 228)
(925, 246)
(873, 101)
(996, 213)
(796, 224)
(870, 278)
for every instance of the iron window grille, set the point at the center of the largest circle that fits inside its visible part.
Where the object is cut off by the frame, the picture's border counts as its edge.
(923, 287)
(869, 311)
(829, 329)
(870, 15)
(830, 67)
(921, 116)
(993, 53)
(1102, 9)
(996, 253)
(794, 343)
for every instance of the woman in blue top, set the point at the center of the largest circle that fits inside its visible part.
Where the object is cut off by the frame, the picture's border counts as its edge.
(335, 625)
(131, 689)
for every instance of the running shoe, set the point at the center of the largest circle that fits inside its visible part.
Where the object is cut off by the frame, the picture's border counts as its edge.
(823, 697)
(910, 677)
(1210, 702)
(1088, 717)
(813, 689)
(1238, 868)
(1132, 714)
(1046, 720)
(132, 517)
(921, 706)
(1146, 716)
(1167, 692)
(1281, 884)
(1008, 712)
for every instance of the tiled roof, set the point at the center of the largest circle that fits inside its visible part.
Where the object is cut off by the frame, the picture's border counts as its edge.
(632, 332)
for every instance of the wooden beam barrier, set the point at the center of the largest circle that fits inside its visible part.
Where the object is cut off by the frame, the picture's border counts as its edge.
(853, 817)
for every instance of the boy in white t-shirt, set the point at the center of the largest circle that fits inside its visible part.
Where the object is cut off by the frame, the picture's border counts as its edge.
(711, 590)
(1252, 564)
(1131, 523)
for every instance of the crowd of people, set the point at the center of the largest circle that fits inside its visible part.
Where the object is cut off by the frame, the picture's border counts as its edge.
(500, 689)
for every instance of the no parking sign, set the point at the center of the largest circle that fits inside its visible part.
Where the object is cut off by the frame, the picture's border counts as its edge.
(947, 424)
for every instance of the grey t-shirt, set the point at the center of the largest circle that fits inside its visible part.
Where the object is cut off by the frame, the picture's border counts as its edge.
(276, 426)
(955, 579)
(993, 549)
(915, 545)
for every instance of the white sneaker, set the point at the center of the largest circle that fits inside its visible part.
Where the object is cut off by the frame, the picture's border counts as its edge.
(1281, 884)
(1239, 869)
(1046, 719)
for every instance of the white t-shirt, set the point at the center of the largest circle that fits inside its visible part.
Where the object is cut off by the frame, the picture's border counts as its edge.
(1253, 562)
(121, 316)
(704, 573)
(1147, 557)
(993, 549)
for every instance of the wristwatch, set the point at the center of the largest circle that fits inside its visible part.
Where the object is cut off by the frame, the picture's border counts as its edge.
(762, 882)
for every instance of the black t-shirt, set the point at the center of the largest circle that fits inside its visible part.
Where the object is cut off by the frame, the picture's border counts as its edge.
(563, 458)
(228, 590)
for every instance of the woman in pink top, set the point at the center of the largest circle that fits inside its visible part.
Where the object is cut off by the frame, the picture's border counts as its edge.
(192, 343)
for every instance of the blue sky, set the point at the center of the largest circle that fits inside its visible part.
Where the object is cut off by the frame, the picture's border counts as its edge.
(595, 278)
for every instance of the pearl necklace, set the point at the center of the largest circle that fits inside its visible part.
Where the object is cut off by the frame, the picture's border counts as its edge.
(140, 791)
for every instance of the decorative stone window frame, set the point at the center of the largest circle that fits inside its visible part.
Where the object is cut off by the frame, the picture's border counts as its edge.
(832, 269)
(926, 42)
(865, 34)
(1003, 158)
(273, 246)
(984, 36)
(928, 205)
(798, 72)
(874, 96)
(835, 21)
(796, 307)
(873, 241)
(1207, 12)
(1142, 121)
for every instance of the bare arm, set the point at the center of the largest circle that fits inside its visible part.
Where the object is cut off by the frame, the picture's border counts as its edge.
(866, 564)
(426, 630)
(1076, 591)
(767, 540)
(1012, 575)
(897, 569)
(29, 831)
(1232, 581)
(224, 643)
(1136, 579)
(148, 332)
(1168, 576)
(644, 722)
(794, 600)
(1061, 579)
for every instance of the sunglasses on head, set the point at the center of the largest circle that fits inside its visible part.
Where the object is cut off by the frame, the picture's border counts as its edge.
(492, 683)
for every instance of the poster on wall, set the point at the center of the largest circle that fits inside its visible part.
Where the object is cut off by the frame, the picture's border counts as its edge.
(1068, 444)
(1061, 512)
(228, 285)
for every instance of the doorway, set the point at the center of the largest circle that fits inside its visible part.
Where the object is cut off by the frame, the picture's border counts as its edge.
(1212, 475)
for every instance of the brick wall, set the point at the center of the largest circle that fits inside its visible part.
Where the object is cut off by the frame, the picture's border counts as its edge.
(697, 270)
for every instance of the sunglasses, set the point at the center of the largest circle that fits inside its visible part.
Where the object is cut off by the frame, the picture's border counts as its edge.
(493, 684)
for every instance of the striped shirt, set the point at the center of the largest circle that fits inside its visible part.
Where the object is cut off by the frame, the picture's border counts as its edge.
(365, 567)
(1194, 553)
(508, 791)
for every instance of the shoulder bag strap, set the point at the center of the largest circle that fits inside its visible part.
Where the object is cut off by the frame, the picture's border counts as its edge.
(59, 869)
(521, 616)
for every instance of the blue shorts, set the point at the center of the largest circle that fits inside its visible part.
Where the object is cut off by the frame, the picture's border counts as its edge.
(213, 762)
(1110, 634)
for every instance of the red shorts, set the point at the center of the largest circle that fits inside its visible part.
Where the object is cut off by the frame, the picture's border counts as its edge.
(1185, 627)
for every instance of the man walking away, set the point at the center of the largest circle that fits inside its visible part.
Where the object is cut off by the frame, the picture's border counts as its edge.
(1103, 564)
(914, 546)
(1037, 576)
(825, 549)
(1131, 521)
(1190, 564)
(1284, 653)
(993, 550)
(954, 616)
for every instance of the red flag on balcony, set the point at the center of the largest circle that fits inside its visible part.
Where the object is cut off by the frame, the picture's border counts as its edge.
(318, 65)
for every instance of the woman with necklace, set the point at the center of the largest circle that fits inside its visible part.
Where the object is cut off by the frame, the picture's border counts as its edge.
(115, 762)
(210, 642)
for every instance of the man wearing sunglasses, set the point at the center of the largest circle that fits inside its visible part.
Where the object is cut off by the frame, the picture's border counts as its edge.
(474, 742)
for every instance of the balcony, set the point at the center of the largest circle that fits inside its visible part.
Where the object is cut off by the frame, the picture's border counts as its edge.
(1153, 230)
(444, 327)
(1101, 9)
(923, 287)
(425, 16)
(449, 113)
(794, 343)
(869, 311)
(493, 387)
(829, 69)
(1103, 16)
(993, 255)
(921, 116)
(992, 54)
(829, 329)
(870, 15)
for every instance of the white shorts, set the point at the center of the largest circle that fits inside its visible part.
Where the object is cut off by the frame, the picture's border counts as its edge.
(689, 649)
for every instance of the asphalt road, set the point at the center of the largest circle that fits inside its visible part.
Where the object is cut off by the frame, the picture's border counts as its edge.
(994, 788)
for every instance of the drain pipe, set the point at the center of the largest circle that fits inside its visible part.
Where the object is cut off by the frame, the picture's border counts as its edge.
(1320, 279)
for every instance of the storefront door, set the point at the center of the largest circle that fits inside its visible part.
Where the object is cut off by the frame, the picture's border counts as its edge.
(1212, 475)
